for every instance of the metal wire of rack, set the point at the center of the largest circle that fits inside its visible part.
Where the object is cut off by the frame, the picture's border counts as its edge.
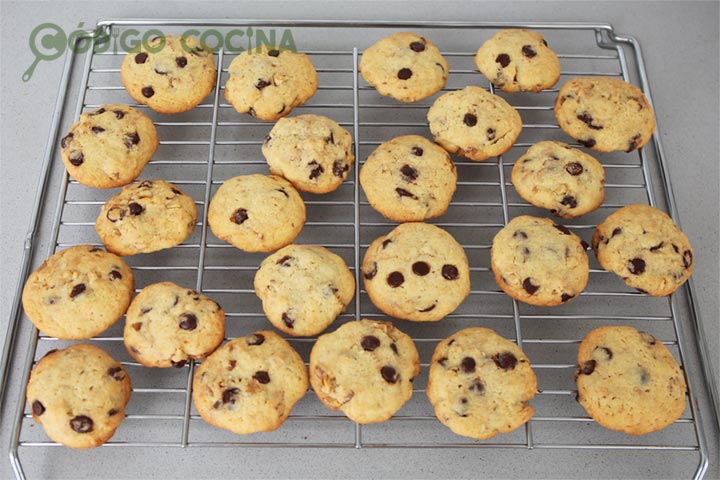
(202, 148)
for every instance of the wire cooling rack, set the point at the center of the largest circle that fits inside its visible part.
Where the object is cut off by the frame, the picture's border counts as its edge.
(204, 147)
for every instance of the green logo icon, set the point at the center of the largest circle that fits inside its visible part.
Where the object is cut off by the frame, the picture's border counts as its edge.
(47, 42)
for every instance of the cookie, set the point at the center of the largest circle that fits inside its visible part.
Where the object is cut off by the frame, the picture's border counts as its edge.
(416, 272)
(304, 288)
(556, 177)
(257, 213)
(409, 179)
(474, 123)
(170, 74)
(365, 369)
(78, 292)
(536, 261)
(518, 60)
(78, 395)
(480, 384)
(605, 114)
(250, 384)
(628, 380)
(312, 152)
(109, 147)
(146, 217)
(167, 325)
(405, 66)
(643, 246)
(268, 82)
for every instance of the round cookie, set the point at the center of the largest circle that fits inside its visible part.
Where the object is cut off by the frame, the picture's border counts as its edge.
(78, 395)
(405, 66)
(628, 380)
(564, 180)
(409, 179)
(109, 147)
(539, 262)
(250, 384)
(304, 288)
(605, 114)
(643, 246)
(170, 74)
(257, 213)
(146, 217)
(416, 272)
(268, 83)
(365, 369)
(480, 384)
(167, 325)
(474, 123)
(312, 152)
(78, 292)
(518, 60)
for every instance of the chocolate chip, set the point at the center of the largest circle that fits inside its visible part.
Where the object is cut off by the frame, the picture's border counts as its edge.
(467, 365)
(528, 51)
(477, 387)
(588, 119)
(588, 367)
(77, 158)
(284, 261)
(160, 72)
(148, 92)
(119, 114)
(81, 424)
(420, 268)
(519, 234)
(114, 275)
(282, 190)
(450, 272)
(529, 287)
(490, 133)
(505, 360)
(647, 338)
(112, 412)
(262, 84)
(563, 229)
(404, 73)
(228, 395)
(288, 320)
(404, 193)
(657, 247)
(145, 310)
(145, 184)
(37, 408)
(544, 42)
(589, 143)
(605, 352)
(636, 266)
(67, 139)
(569, 201)
(417, 151)
(176, 191)
(386, 242)
(255, 339)
(371, 274)
(239, 216)
(117, 373)
(141, 57)
(574, 169)
(442, 361)
(137, 326)
(687, 258)
(633, 144)
(115, 214)
(135, 208)
(389, 374)
(77, 290)
(417, 46)
(503, 59)
(339, 168)
(188, 321)
(394, 348)
(330, 138)
(262, 377)
(566, 297)
(99, 111)
(273, 53)
(428, 309)
(181, 62)
(179, 364)
(369, 343)
(616, 231)
(395, 279)
(131, 139)
(470, 120)
(231, 365)
(315, 172)
(409, 173)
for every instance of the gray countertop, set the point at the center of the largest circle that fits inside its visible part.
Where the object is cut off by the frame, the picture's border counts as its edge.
(680, 44)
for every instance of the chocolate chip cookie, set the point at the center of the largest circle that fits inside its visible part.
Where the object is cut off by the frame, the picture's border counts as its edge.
(409, 179)
(643, 246)
(304, 288)
(78, 395)
(312, 152)
(365, 369)
(109, 147)
(605, 114)
(416, 272)
(78, 292)
(170, 74)
(167, 325)
(268, 82)
(628, 380)
(536, 261)
(474, 123)
(257, 213)
(518, 60)
(146, 217)
(250, 384)
(405, 66)
(480, 384)
(564, 180)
